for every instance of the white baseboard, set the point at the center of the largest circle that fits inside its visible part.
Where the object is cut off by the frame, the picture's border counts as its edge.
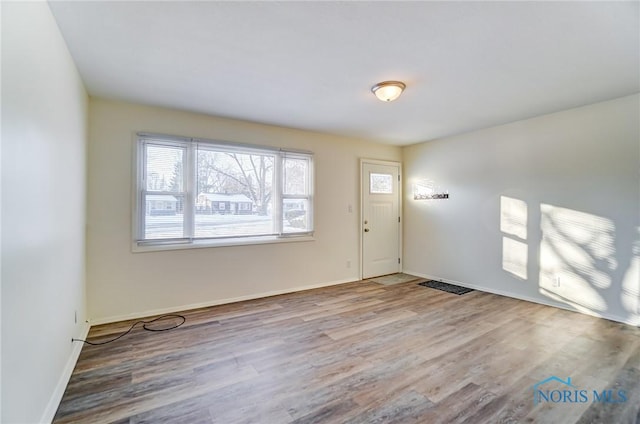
(56, 397)
(178, 308)
(541, 301)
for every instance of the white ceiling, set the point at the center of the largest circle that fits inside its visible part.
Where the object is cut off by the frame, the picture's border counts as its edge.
(310, 65)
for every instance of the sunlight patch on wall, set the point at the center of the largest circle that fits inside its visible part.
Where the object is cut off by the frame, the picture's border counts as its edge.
(513, 223)
(514, 257)
(513, 217)
(631, 284)
(576, 257)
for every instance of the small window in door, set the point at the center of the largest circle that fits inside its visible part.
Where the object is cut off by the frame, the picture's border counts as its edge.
(380, 183)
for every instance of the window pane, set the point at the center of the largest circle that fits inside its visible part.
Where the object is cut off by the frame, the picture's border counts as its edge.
(381, 183)
(295, 215)
(296, 172)
(164, 168)
(163, 216)
(234, 194)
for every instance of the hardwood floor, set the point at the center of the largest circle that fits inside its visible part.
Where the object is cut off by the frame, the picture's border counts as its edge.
(359, 353)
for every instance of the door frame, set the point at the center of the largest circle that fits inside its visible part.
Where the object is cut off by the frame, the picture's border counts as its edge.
(364, 161)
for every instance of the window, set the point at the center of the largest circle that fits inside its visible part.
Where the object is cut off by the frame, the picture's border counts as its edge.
(380, 183)
(204, 192)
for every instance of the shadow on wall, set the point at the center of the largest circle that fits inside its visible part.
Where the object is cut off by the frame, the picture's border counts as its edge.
(583, 262)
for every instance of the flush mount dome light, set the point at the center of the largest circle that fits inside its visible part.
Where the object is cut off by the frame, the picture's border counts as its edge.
(388, 91)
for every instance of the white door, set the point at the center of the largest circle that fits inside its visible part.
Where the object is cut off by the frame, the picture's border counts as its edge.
(380, 219)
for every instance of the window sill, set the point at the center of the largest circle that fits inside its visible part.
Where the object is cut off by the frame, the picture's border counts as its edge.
(201, 244)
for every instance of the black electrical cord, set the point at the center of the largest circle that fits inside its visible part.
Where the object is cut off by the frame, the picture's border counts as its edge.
(144, 325)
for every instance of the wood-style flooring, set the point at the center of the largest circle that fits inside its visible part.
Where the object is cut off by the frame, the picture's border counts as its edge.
(358, 353)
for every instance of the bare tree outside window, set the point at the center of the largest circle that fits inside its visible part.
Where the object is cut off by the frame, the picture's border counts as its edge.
(237, 173)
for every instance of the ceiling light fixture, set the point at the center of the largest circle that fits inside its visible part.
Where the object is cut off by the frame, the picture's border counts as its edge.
(388, 91)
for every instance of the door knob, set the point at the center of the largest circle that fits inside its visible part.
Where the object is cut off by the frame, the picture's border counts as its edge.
(366, 230)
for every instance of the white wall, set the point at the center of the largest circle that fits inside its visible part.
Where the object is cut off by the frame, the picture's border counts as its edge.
(553, 197)
(122, 283)
(44, 118)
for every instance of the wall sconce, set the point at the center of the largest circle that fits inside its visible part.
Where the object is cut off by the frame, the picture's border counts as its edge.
(427, 190)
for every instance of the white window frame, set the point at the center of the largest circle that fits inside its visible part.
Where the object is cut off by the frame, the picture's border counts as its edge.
(190, 146)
